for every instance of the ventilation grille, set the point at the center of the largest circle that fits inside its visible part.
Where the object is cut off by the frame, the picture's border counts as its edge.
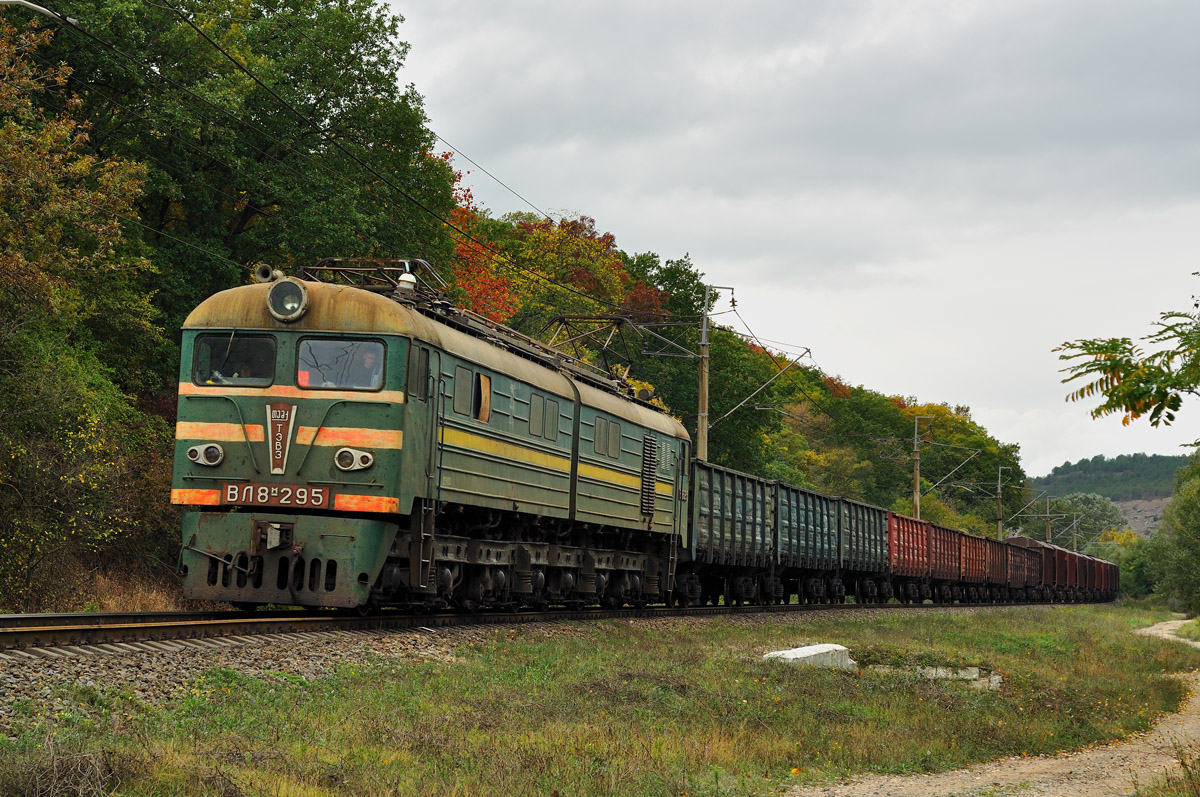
(649, 468)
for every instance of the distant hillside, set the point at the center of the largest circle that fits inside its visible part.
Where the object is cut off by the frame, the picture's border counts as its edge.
(1143, 515)
(1124, 478)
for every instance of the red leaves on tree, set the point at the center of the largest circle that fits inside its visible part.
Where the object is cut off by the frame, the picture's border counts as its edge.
(474, 267)
(475, 258)
(642, 301)
(837, 388)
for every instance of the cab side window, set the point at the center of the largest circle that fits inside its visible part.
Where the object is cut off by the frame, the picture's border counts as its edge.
(462, 390)
(472, 394)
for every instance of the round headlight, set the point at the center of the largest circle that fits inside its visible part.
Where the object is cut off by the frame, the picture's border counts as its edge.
(211, 454)
(287, 299)
(353, 459)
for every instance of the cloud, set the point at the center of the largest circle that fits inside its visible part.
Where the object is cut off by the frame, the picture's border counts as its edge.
(930, 194)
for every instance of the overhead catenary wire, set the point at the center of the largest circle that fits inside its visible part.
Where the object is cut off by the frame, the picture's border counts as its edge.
(471, 161)
(791, 377)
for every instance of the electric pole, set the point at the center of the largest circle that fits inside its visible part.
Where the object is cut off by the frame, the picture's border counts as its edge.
(702, 403)
(999, 504)
(917, 463)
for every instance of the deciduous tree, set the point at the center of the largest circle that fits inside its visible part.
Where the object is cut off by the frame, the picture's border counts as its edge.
(74, 455)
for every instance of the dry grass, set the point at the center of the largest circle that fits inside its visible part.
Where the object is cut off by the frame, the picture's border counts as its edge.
(1185, 783)
(62, 769)
(127, 592)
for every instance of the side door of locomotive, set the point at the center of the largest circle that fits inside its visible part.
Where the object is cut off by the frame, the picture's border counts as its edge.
(422, 429)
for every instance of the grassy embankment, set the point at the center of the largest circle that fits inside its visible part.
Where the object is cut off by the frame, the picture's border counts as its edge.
(628, 708)
(1190, 630)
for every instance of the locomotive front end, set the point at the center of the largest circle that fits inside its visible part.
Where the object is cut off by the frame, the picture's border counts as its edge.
(290, 444)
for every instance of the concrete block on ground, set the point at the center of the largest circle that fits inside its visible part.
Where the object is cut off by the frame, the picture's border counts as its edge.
(834, 656)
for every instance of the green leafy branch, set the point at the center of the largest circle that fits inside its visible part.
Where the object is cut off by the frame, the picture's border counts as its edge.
(1132, 381)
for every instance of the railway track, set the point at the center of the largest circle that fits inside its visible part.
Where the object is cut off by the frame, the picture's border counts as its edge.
(24, 636)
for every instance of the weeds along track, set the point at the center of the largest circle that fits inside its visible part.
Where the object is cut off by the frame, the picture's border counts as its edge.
(53, 636)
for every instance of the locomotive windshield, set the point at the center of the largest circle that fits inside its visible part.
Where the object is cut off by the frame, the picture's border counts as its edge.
(340, 364)
(234, 359)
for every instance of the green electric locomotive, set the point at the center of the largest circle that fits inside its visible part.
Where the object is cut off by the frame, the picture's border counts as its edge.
(361, 445)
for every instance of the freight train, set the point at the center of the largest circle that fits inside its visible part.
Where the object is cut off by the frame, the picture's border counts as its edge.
(346, 440)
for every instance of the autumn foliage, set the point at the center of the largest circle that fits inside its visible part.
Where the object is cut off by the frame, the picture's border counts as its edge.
(80, 470)
(476, 263)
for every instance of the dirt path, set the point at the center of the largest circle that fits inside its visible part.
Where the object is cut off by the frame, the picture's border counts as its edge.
(1095, 772)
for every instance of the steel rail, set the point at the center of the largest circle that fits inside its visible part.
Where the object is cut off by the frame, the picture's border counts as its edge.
(76, 631)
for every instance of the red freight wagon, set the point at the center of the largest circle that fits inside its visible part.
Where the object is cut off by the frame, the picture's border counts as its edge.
(1062, 559)
(908, 546)
(974, 559)
(1033, 584)
(1020, 567)
(997, 566)
(1024, 571)
(1012, 567)
(945, 558)
(1034, 575)
(1093, 584)
(1045, 552)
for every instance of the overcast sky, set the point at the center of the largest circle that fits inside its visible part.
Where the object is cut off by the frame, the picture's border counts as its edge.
(929, 195)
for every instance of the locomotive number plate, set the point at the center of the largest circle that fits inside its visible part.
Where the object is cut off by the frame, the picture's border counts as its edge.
(274, 495)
